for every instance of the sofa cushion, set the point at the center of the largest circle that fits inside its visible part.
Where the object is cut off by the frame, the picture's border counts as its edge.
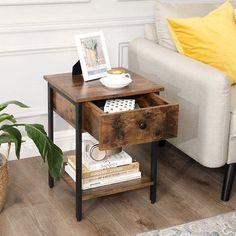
(164, 10)
(210, 39)
(150, 32)
(233, 111)
(232, 137)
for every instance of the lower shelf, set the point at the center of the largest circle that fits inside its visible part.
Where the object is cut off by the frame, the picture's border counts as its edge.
(110, 189)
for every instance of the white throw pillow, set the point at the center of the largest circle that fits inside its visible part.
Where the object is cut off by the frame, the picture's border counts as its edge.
(150, 32)
(165, 9)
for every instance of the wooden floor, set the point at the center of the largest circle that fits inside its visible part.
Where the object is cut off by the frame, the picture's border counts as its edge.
(186, 192)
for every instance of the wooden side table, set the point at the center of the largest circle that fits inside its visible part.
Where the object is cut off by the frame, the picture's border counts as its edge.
(80, 104)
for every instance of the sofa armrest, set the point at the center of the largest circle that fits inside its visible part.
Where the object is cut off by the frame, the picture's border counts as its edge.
(202, 91)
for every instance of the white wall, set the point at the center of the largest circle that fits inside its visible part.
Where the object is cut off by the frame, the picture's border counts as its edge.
(37, 38)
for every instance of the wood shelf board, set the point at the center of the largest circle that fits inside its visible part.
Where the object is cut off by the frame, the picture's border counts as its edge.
(75, 88)
(110, 189)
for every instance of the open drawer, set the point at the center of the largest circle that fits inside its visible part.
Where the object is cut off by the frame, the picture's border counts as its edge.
(156, 119)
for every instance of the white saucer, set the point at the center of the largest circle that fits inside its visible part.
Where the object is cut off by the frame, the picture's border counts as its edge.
(115, 84)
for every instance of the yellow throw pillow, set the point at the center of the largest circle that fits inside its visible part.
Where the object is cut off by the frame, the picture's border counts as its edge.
(235, 14)
(210, 39)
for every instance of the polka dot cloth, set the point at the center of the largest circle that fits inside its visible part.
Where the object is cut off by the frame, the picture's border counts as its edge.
(118, 105)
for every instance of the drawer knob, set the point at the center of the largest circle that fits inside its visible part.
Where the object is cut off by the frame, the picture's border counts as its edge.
(142, 125)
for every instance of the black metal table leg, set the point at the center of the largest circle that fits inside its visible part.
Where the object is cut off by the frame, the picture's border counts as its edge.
(162, 143)
(50, 127)
(153, 188)
(229, 175)
(78, 148)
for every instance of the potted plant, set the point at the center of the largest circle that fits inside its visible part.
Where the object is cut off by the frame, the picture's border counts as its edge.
(10, 132)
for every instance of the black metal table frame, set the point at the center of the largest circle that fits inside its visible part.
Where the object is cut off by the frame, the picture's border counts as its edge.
(78, 151)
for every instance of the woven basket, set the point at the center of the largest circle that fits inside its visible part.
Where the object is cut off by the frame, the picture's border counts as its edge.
(3, 182)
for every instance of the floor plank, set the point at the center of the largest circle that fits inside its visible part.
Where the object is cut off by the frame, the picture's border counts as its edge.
(134, 213)
(186, 191)
(23, 222)
(6, 229)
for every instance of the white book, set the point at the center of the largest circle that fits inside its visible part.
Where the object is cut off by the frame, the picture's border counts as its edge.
(107, 175)
(88, 136)
(106, 181)
(119, 159)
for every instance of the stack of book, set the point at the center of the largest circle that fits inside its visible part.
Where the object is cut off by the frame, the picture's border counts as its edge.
(113, 169)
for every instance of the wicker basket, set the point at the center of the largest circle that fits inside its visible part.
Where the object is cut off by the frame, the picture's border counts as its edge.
(3, 182)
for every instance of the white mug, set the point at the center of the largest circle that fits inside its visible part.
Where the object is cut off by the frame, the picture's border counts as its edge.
(93, 150)
(119, 76)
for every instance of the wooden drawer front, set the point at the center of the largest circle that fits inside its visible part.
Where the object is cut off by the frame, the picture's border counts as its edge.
(156, 119)
(64, 108)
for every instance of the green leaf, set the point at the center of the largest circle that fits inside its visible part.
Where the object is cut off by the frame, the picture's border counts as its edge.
(5, 104)
(16, 135)
(6, 138)
(6, 116)
(47, 149)
(40, 127)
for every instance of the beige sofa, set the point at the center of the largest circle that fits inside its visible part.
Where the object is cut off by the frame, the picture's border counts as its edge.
(207, 122)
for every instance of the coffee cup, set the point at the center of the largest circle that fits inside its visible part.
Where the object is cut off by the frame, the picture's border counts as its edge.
(93, 150)
(95, 153)
(118, 74)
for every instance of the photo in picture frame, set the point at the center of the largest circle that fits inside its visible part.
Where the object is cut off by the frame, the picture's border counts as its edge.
(93, 55)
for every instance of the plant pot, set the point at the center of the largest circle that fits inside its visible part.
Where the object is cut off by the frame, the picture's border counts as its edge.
(3, 181)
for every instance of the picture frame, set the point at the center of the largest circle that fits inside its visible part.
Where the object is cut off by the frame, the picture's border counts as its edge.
(93, 55)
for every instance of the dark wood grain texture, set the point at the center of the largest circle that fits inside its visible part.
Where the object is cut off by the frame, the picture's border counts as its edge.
(79, 91)
(110, 189)
(123, 128)
(64, 108)
(156, 119)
